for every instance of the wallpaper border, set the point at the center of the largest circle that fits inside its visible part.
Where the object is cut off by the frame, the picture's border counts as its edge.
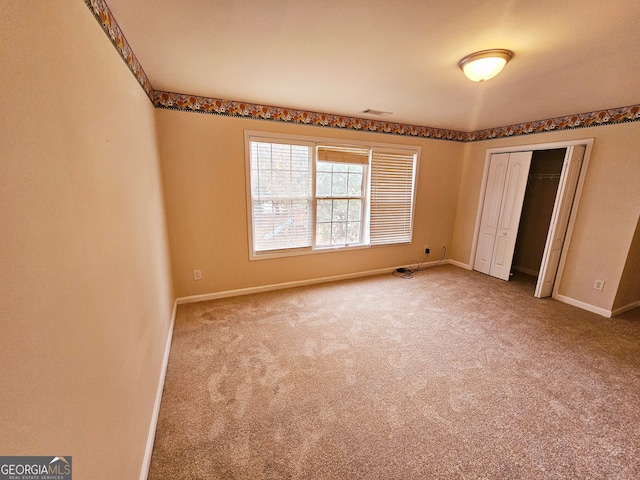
(231, 108)
(596, 118)
(105, 18)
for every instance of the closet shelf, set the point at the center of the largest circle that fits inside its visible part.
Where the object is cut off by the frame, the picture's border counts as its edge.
(544, 176)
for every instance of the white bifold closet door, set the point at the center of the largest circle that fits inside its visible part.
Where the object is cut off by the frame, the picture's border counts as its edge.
(504, 196)
(559, 220)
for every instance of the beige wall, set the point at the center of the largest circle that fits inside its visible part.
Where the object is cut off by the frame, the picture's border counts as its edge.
(203, 164)
(608, 210)
(85, 286)
(629, 290)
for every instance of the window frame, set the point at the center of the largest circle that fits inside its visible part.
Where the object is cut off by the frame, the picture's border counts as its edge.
(315, 142)
(310, 197)
(364, 196)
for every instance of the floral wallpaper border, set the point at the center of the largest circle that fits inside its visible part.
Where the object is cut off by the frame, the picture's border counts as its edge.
(217, 106)
(192, 103)
(108, 23)
(568, 122)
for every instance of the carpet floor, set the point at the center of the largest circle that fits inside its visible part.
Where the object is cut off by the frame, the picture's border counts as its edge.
(450, 374)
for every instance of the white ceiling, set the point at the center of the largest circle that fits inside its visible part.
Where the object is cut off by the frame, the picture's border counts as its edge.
(344, 56)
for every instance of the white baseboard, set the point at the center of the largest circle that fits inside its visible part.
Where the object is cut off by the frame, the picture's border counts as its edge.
(146, 463)
(528, 271)
(281, 286)
(626, 308)
(466, 266)
(585, 306)
(297, 283)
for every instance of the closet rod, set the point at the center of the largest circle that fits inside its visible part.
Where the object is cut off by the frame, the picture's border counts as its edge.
(544, 176)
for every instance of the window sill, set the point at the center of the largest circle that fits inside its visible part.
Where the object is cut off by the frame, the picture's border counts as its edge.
(303, 252)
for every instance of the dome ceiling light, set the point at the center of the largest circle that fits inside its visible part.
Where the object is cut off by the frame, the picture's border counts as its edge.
(481, 66)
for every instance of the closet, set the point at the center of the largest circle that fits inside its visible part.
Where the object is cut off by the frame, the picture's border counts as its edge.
(525, 213)
(539, 199)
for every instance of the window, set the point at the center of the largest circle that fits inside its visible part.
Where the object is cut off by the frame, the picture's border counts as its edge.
(340, 195)
(309, 195)
(392, 179)
(281, 196)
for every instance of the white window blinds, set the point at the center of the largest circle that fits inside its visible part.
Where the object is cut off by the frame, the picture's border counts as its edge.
(392, 187)
(281, 196)
(343, 154)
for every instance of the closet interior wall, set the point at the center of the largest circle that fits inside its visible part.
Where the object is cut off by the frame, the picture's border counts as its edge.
(537, 209)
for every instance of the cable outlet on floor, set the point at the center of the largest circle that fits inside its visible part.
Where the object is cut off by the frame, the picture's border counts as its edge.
(197, 275)
(598, 285)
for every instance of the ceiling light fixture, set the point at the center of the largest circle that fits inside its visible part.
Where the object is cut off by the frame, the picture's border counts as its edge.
(481, 66)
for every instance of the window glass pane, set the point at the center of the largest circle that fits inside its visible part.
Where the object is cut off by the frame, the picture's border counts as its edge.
(339, 184)
(281, 157)
(254, 156)
(340, 208)
(281, 224)
(354, 188)
(338, 234)
(353, 232)
(300, 158)
(262, 155)
(323, 210)
(323, 234)
(281, 185)
(263, 184)
(323, 167)
(300, 184)
(355, 210)
(323, 184)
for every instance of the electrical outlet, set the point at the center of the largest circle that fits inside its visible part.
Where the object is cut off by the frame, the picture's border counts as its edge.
(598, 285)
(197, 275)
(427, 250)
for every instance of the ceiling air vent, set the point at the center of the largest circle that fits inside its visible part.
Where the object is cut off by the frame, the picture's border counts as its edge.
(380, 113)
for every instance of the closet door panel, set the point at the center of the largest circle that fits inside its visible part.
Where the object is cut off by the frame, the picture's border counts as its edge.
(484, 252)
(491, 211)
(501, 259)
(559, 220)
(509, 217)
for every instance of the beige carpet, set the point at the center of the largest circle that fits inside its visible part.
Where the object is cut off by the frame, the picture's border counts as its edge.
(451, 374)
